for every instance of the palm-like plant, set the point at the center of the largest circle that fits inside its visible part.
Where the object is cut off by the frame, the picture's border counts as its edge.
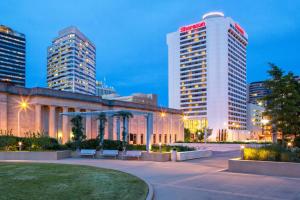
(77, 130)
(102, 119)
(124, 115)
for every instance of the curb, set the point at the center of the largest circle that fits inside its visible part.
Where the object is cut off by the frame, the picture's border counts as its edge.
(150, 195)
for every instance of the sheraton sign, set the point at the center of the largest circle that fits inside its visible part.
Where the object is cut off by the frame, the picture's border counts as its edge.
(239, 28)
(192, 27)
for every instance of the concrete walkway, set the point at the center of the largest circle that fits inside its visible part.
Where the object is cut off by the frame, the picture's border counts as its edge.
(202, 179)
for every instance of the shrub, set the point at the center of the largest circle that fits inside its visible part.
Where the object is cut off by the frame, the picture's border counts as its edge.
(271, 153)
(136, 147)
(90, 144)
(297, 141)
(167, 148)
(250, 154)
(112, 144)
(33, 142)
(8, 143)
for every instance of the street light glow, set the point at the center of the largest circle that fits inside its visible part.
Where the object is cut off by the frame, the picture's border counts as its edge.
(23, 105)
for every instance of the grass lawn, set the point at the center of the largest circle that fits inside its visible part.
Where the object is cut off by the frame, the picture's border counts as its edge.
(33, 181)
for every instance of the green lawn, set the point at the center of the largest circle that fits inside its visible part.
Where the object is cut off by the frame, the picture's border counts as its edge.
(33, 181)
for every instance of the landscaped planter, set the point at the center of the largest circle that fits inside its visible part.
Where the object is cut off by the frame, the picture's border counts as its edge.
(34, 155)
(271, 168)
(188, 155)
(156, 156)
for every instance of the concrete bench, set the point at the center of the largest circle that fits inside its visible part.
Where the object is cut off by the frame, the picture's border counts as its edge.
(188, 155)
(110, 153)
(133, 154)
(88, 152)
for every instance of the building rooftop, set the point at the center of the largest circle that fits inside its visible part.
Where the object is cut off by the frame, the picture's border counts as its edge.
(46, 92)
(212, 14)
(7, 30)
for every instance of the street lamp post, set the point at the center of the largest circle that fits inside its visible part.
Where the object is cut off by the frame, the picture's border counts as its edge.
(23, 105)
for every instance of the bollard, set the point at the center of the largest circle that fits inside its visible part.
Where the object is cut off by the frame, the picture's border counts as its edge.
(242, 152)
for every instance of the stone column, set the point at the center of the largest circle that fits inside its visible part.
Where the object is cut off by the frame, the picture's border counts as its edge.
(149, 130)
(65, 127)
(138, 134)
(110, 125)
(38, 117)
(118, 128)
(52, 124)
(3, 116)
(88, 125)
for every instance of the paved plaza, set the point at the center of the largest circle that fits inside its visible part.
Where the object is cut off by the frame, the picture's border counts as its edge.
(202, 179)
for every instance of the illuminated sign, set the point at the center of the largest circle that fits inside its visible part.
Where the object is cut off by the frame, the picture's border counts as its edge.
(240, 29)
(192, 27)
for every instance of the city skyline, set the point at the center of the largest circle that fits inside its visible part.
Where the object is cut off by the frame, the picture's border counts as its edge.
(272, 37)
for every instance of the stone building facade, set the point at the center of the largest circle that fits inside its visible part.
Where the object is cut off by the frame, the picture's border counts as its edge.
(43, 107)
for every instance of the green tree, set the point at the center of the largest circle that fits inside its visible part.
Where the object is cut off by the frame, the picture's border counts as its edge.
(282, 103)
(187, 135)
(199, 135)
(77, 130)
(102, 120)
(125, 116)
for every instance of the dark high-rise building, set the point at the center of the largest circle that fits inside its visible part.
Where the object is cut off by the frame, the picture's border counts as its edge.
(256, 91)
(12, 56)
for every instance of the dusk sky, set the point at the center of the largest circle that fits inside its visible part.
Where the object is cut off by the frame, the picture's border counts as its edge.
(130, 36)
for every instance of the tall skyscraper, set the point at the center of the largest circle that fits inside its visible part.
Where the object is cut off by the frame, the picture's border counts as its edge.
(72, 63)
(12, 56)
(207, 75)
(256, 91)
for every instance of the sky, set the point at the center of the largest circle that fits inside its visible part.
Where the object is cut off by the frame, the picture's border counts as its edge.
(130, 35)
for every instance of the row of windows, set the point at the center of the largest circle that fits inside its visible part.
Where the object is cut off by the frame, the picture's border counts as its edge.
(194, 58)
(192, 104)
(237, 105)
(193, 49)
(193, 95)
(203, 32)
(196, 114)
(194, 100)
(193, 109)
(193, 77)
(193, 72)
(196, 39)
(192, 45)
(193, 91)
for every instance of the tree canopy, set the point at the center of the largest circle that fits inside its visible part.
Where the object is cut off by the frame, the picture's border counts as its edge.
(283, 102)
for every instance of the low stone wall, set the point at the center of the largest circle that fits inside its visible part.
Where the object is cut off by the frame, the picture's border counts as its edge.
(288, 169)
(156, 156)
(34, 155)
(212, 146)
(188, 155)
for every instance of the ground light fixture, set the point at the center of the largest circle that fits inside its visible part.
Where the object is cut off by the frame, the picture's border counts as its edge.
(20, 146)
(289, 144)
(159, 144)
(242, 147)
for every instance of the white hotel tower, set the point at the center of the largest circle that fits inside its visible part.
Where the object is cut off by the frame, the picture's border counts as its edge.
(72, 63)
(207, 76)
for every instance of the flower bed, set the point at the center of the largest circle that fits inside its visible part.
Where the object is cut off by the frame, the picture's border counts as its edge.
(272, 153)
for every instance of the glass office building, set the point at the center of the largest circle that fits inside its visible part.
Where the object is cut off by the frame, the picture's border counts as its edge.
(72, 63)
(12, 56)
